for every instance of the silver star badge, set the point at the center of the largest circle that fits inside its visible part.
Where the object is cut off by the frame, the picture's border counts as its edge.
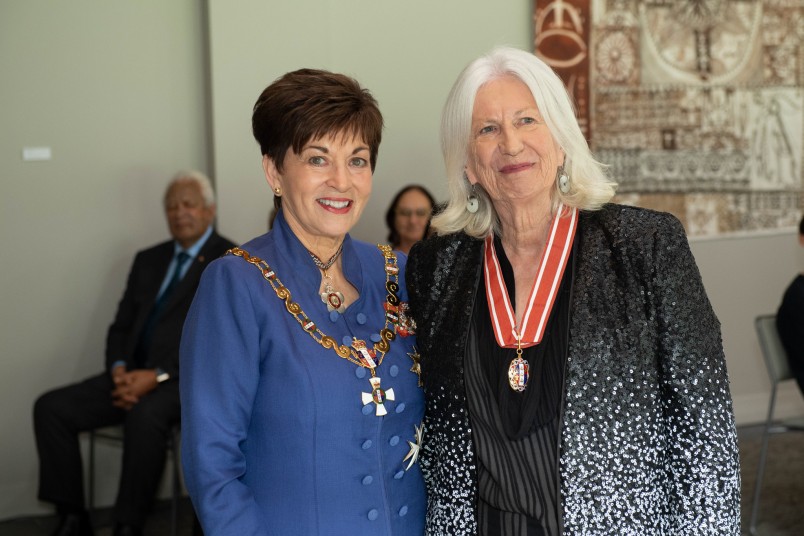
(413, 454)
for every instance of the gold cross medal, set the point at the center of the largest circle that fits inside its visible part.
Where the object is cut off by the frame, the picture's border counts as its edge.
(378, 396)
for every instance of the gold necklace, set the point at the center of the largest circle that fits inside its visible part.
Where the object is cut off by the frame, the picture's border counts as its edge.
(358, 352)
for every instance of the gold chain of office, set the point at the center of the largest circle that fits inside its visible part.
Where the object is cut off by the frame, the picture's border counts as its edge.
(351, 353)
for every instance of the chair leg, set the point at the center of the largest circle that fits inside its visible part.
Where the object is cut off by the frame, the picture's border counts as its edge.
(763, 455)
(91, 473)
(176, 484)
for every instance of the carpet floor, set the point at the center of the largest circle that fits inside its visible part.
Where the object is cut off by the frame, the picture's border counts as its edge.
(781, 503)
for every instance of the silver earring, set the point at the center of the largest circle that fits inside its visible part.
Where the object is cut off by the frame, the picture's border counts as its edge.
(563, 180)
(472, 203)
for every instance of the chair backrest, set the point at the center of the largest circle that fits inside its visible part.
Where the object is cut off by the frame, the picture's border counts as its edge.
(772, 349)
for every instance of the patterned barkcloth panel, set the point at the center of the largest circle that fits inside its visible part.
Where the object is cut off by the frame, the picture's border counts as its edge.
(697, 106)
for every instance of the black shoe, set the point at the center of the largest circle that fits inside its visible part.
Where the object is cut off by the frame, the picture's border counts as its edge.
(74, 525)
(126, 530)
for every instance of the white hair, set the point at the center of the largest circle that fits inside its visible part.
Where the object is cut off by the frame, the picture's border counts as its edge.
(590, 188)
(203, 182)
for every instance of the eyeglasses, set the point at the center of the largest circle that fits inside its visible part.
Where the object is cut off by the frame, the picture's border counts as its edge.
(407, 212)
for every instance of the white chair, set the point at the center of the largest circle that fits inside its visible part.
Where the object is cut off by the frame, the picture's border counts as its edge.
(114, 435)
(778, 371)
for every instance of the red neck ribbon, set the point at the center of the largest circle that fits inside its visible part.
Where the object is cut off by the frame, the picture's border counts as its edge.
(545, 288)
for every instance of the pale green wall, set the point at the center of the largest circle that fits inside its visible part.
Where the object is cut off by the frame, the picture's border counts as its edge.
(407, 53)
(116, 90)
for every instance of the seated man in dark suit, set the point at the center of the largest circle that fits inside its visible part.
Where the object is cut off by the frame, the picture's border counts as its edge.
(790, 321)
(139, 388)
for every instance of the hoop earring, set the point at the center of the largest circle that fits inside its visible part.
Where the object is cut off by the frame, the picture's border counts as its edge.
(563, 180)
(472, 203)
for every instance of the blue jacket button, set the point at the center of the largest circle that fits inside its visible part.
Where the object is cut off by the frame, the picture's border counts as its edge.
(373, 514)
(403, 511)
(368, 479)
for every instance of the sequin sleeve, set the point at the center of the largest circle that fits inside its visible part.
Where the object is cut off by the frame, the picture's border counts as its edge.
(702, 457)
(648, 437)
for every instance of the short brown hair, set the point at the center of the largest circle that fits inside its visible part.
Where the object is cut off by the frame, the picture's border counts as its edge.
(307, 104)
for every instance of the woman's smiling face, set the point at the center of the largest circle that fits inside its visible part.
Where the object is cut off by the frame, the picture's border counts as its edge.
(512, 152)
(324, 187)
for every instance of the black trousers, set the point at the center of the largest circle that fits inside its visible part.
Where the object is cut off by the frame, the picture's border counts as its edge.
(60, 415)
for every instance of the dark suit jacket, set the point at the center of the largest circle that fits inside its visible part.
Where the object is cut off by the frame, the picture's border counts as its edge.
(144, 280)
(789, 320)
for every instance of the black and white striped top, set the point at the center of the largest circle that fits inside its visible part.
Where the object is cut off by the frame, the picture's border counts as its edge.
(516, 434)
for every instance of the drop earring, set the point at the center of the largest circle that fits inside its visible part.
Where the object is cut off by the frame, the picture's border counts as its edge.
(472, 203)
(563, 180)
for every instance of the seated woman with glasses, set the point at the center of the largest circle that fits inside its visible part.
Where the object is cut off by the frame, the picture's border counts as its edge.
(408, 217)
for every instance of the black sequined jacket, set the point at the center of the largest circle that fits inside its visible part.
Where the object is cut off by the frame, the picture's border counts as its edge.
(648, 441)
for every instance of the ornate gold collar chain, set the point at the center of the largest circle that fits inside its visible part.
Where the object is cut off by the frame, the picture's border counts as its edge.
(358, 352)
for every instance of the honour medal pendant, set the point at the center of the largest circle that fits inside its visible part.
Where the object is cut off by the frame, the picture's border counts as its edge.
(331, 297)
(378, 396)
(518, 374)
(518, 370)
(334, 300)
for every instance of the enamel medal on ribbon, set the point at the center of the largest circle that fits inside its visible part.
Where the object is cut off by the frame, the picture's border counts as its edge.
(540, 302)
(518, 370)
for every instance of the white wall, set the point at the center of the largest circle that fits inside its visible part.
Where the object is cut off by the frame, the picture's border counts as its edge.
(117, 90)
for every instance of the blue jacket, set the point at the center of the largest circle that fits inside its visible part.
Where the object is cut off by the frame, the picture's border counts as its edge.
(275, 436)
